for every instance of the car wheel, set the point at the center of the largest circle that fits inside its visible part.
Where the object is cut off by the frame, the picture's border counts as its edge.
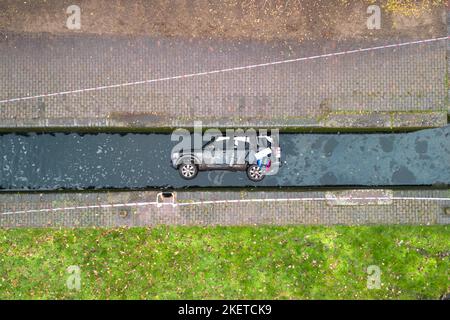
(188, 171)
(254, 173)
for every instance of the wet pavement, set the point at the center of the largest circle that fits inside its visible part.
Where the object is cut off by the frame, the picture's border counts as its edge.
(43, 161)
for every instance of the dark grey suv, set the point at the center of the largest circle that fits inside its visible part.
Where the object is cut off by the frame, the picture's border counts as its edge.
(230, 153)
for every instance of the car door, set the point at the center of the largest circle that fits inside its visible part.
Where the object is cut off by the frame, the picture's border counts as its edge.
(215, 154)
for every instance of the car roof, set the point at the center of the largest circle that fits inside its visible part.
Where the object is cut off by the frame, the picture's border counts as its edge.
(243, 138)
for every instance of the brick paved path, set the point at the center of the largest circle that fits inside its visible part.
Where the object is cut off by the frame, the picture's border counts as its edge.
(334, 207)
(381, 88)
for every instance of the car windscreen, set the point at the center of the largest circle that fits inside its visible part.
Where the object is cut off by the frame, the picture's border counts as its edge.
(264, 142)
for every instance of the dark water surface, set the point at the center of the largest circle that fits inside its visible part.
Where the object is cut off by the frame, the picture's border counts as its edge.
(102, 161)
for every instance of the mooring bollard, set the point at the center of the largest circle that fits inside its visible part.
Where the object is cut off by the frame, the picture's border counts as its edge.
(163, 198)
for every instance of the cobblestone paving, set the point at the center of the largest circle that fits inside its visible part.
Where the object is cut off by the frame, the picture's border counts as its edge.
(448, 51)
(330, 210)
(403, 87)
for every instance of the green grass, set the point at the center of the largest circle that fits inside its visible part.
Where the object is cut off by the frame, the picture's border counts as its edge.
(226, 262)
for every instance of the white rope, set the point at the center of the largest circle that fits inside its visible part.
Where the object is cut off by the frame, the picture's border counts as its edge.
(191, 75)
(99, 206)
(158, 204)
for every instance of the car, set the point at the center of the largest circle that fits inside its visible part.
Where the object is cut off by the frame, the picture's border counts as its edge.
(239, 153)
